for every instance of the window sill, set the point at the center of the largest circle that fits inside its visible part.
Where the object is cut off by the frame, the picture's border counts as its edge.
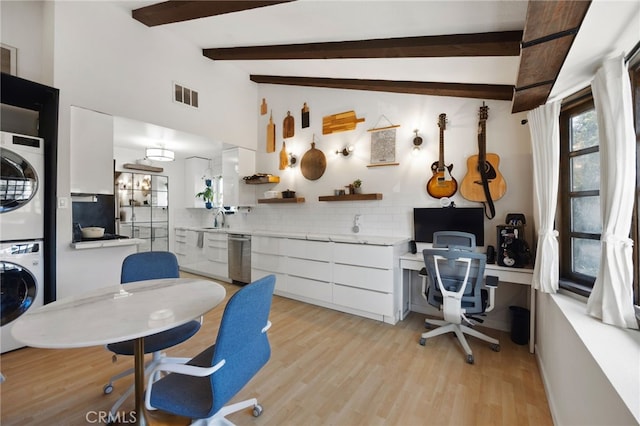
(615, 350)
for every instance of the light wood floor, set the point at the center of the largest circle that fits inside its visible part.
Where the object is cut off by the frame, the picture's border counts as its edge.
(326, 368)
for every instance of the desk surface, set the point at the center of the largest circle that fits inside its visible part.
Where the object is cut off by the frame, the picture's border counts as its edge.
(504, 273)
(107, 315)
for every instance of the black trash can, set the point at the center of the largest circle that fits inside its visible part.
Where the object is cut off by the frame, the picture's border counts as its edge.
(519, 325)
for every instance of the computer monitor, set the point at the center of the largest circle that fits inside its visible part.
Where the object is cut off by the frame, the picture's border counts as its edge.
(428, 220)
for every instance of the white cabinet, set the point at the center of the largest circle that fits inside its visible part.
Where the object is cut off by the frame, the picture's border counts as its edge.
(91, 143)
(267, 257)
(216, 255)
(363, 278)
(360, 279)
(236, 164)
(196, 170)
(203, 253)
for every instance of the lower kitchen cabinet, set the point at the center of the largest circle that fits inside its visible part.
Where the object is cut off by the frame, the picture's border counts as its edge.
(203, 253)
(361, 279)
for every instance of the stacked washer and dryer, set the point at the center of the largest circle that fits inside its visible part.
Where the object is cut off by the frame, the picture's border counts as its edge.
(21, 230)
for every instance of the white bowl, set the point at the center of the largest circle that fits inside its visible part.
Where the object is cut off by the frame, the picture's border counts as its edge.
(92, 232)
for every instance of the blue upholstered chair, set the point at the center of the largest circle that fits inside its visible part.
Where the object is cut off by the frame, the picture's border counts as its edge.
(142, 267)
(200, 388)
(457, 287)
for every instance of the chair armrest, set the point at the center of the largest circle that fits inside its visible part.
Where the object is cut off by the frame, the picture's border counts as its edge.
(187, 370)
(491, 282)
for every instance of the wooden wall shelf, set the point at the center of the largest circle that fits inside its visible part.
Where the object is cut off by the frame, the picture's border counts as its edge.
(261, 180)
(350, 197)
(280, 200)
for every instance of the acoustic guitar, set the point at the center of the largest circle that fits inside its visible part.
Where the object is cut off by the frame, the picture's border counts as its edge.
(483, 181)
(442, 184)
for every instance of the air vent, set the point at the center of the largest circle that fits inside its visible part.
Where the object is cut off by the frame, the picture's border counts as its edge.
(184, 95)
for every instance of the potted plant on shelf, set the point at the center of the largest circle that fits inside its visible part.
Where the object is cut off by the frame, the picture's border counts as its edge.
(357, 186)
(206, 195)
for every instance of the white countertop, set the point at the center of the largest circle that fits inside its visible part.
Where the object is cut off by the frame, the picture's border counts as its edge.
(379, 240)
(81, 245)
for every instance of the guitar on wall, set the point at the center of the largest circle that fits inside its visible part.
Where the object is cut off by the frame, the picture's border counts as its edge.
(483, 182)
(442, 184)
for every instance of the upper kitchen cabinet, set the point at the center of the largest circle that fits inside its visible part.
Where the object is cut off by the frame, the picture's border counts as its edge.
(91, 152)
(237, 163)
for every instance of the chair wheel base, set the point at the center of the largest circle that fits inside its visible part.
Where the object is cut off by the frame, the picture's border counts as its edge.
(422, 341)
(257, 410)
(495, 348)
(470, 359)
(107, 389)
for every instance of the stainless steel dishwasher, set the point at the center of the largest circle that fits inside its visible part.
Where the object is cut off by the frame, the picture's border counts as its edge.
(239, 249)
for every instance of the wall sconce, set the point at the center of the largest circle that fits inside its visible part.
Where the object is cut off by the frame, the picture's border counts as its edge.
(293, 160)
(417, 142)
(346, 151)
(160, 154)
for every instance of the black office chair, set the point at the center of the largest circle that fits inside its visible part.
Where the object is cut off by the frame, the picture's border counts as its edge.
(141, 267)
(456, 278)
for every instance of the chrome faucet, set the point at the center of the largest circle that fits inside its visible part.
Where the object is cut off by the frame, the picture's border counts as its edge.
(220, 211)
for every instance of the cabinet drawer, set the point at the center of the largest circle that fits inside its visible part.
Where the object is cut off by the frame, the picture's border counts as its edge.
(309, 269)
(216, 236)
(312, 289)
(181, 233)
(364, 255)
(314, 250)
(281, 279)
(366, 278)
(270, 245)
(180, 247)
(268, 262)
(369, 301)
(217, 254)
(217, 244)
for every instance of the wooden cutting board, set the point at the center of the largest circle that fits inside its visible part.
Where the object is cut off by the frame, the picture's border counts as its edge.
(313, 163)
(288, 126)
(341, 122)
(271, 135)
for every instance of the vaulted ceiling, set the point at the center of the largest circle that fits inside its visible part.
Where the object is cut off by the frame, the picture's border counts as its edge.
(494, 49)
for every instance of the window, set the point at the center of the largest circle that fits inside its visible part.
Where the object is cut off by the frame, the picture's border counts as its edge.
(579, 189)
(580, 194)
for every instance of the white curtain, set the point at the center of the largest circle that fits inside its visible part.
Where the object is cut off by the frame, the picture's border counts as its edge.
(545, 141)
(612, 296)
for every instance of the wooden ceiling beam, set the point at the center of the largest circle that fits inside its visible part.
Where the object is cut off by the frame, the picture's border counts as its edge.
(179, 10)
(463, 90)
(549, 32)
(504, 43)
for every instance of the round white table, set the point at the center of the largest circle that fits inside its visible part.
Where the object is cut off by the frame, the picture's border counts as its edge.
(118, 313)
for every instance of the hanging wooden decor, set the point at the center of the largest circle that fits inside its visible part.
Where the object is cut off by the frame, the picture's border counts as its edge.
(383, 145)
(305, 116)
(271, 135)
(284, 158)
(288, 126)
(341, 122)
(263, 107)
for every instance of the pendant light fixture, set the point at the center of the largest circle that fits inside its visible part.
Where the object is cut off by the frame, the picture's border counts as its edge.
(160, 154)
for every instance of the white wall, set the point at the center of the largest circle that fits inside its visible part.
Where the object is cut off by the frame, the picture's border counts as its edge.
(403, 186)
(106, 61)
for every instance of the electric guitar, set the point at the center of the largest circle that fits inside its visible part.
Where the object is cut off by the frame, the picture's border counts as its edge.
(483, 181)
(442, 184)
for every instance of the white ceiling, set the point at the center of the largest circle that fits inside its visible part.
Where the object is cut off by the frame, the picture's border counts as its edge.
(609, 27)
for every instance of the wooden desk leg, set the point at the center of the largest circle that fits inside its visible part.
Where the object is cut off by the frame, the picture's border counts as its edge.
(138, 353)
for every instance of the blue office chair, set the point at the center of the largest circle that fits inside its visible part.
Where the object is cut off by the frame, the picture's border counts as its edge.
(456, 287)
(200, 388)
(141, 267)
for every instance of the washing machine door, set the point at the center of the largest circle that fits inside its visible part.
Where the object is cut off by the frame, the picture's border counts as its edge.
(18, 291)
(18, 181)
